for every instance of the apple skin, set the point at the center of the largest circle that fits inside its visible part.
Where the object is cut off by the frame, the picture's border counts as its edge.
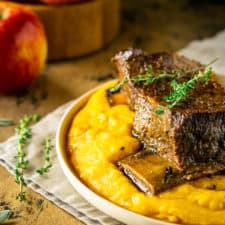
(63, 1)
(25, 1)
(50, 1)
(23, 47)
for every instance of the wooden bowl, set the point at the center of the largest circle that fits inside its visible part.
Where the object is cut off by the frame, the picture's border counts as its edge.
(78, 29)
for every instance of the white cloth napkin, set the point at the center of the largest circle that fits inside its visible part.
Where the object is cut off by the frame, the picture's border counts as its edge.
(54, 185)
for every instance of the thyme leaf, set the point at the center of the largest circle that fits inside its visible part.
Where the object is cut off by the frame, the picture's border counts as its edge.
(23, 133)
(160, 110)
(6, 122)
(4, 215)
(117, 87)
(47, 150)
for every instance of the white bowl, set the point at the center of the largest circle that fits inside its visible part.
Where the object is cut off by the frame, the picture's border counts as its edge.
(99, 202)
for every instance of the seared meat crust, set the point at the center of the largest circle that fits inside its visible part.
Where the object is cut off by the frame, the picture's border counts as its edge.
(192, 132)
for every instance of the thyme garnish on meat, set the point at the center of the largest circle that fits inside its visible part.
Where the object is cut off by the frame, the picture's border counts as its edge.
(149, 77)
(47, 150)
(119, 85)
(23, 133)
(160, 110)
(180, 91)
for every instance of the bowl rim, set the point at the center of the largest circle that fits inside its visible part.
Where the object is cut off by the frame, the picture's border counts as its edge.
(106, 206)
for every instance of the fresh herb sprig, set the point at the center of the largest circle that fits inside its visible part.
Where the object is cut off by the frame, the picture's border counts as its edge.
(181, 90)
(23, 133)
(47, 150)
(119, 85)
(6, 122)
(148, 78)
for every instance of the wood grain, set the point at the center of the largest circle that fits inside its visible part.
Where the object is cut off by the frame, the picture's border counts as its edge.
(77, 29)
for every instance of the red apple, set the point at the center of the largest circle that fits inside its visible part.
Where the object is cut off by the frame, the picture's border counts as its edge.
(25, 1)
(63, 1)
(23, 47)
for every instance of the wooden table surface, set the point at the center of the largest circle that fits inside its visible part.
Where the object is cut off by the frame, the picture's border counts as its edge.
(156, 25)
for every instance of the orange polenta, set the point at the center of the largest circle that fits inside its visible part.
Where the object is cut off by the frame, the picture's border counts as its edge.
(100, 134)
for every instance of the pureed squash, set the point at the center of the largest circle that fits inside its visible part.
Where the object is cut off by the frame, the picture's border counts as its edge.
(100, 135)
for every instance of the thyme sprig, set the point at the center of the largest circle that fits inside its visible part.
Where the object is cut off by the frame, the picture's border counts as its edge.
(119, 85)
(181, 90)
(23, 133)
(47, 150)
(149, 77)
(6, 122)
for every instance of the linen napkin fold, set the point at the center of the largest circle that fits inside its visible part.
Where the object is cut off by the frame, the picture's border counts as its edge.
(54, 185)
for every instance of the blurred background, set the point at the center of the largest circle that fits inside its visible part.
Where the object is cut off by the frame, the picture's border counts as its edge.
(169, 25)
(82, 38)
(155, 25)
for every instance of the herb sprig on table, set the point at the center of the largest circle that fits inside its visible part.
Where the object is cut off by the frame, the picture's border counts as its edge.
(23, 132)
(47, 150)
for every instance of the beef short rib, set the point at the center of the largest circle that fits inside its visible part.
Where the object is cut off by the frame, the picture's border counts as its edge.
(153, 174)
(190, 133)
